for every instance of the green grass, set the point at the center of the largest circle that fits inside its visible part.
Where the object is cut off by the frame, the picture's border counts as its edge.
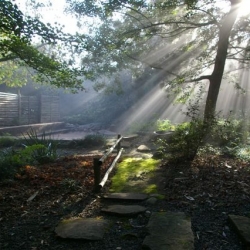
(134, 175)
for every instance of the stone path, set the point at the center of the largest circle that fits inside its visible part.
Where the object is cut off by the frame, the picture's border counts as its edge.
(169, 230)
(165, 230)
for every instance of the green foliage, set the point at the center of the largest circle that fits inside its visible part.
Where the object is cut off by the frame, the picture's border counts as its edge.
(6, 141)
(41, 149)
(37, 150)
(10, 162)
(164, 125)
(16, 36)
(209, 149)
(228, 132)
(185, 141)
(70, 184)
(243, 153)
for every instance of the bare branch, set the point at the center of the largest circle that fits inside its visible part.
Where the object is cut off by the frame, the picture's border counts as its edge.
(205, 77)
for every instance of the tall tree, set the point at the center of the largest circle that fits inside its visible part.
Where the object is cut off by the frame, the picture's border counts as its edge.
(18, 34)
(185, 42)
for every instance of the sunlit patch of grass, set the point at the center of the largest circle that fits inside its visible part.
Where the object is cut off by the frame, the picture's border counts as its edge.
(132, 175)
(151, 189)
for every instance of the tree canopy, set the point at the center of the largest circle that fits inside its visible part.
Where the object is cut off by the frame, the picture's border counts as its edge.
(26, 41)
(182, 42)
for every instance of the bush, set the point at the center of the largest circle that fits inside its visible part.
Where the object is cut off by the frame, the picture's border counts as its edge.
(164, 125)
(10, 162)
(40, 149)
(185, 141)
(6, 141)
(228, 132)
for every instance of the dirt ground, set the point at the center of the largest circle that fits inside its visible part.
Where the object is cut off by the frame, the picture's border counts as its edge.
(34, 202)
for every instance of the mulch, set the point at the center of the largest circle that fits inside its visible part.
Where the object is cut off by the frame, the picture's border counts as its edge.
(208, 190)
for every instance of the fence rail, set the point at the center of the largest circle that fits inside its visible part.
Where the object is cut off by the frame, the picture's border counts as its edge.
(97, 163)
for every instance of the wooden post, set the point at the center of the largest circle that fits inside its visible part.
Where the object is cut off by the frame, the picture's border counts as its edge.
(119, 143)
(97, 173)
(19, 106)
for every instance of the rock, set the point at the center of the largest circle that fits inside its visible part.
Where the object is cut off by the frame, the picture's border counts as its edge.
(169, 230)
(126, 210)
(82, 228)
(242, 227)
(151, 200)
(143, 148)
(126, 196)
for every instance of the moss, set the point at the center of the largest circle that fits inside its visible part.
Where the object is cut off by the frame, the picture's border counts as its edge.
(133, 175)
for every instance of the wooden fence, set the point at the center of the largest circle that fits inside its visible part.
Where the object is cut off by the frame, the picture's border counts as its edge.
(98, 183)
(22, 110)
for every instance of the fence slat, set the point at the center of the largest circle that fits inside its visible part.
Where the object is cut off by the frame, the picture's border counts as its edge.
(110, 150)
(106, 176)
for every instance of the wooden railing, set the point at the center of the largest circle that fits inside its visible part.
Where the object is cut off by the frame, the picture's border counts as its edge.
(98, 183)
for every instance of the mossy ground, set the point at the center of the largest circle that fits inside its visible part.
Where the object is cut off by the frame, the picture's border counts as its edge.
(135, 175)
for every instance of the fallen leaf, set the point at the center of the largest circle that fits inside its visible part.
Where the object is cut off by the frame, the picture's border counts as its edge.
(32, 197)
(189, 198)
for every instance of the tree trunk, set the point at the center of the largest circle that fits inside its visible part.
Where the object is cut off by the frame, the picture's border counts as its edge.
(221, 55)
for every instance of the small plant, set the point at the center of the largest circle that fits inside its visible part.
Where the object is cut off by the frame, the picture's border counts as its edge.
(164, 125)
(40, 149)
(69, 184)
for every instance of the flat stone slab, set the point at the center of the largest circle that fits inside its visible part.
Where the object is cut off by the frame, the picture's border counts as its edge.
(126, 196)
(242, 227)
(169, 230)
(82, 228)
(124, 210)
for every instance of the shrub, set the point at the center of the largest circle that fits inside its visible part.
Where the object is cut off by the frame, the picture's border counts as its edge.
(10, 162)
(185, 141)
(164, 125)
(40, 149)
(6, 141)
(228, 132)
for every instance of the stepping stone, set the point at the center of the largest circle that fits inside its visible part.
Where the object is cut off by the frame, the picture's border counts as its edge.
(242, 227)
(143, 148)
(126, 196)
(124, 210)
(82, 228)
(169, 230)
